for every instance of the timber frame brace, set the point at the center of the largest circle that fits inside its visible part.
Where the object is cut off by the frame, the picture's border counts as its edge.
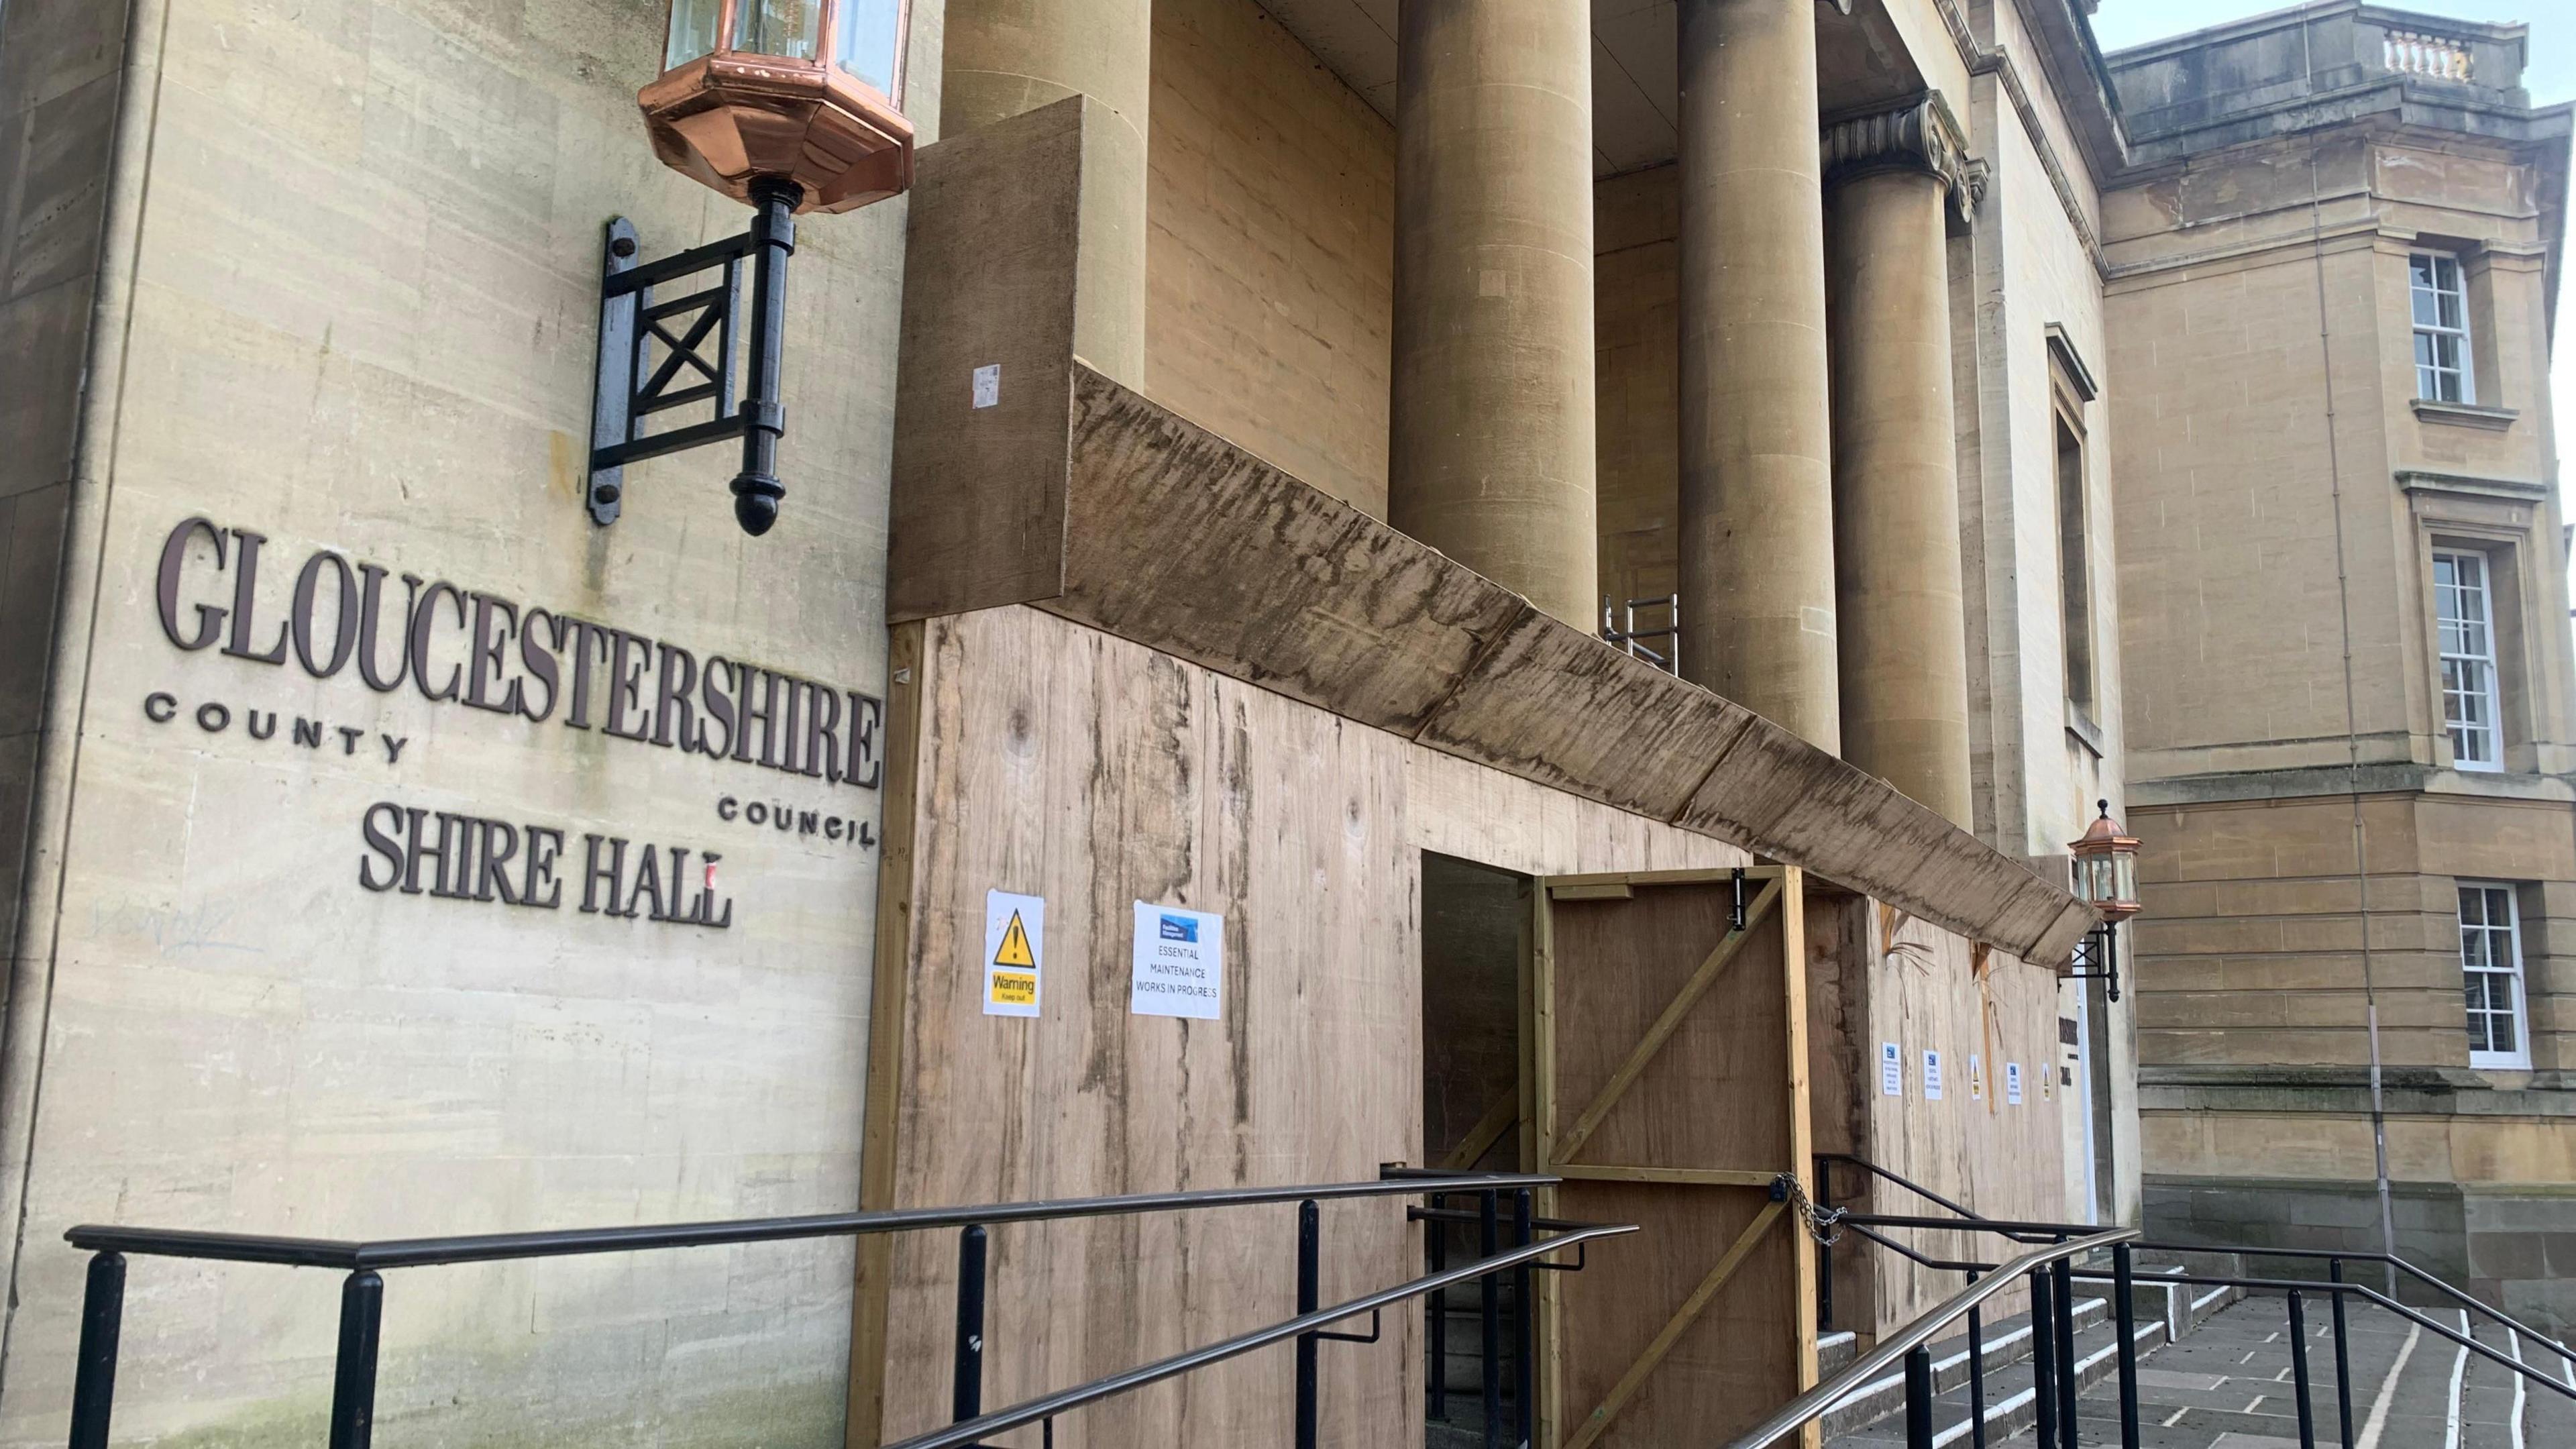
(1740, 929)
(1598, 1421)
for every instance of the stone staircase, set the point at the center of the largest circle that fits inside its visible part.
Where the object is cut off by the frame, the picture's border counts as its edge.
(1872, 1415)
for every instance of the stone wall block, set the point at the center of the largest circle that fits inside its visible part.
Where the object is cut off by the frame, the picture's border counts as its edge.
(45, 336)
(31, 544)
(49, 48)
(53, 183)
(2508, 1255)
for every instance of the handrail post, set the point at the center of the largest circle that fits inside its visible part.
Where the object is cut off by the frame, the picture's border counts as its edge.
(2343, 1358)
(2043, 1359)
(2299, 1371)
(1493, 1313)
(1437, 1232)
(1824, 1170)
(1918, 1397)
(1523, 1231)
(1310, 1242)
(966, 1373)
(2124, 1302)
(2067, 1369)
(1976, 1373)
(94, 1378)
(353, 1385)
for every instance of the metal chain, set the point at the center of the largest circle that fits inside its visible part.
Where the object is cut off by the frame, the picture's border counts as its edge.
(1825, 1225)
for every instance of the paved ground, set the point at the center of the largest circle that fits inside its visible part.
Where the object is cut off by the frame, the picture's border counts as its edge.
(2229, 1385)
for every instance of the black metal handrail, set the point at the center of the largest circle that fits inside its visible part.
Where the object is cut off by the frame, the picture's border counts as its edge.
(2055, 1371)
(1824, 1165)
(494, 1247)
(2335, 1258)
(1824, 1183)
(362, 1292)
(1910, 1342)
(2294, 1287)
(1050, 1405)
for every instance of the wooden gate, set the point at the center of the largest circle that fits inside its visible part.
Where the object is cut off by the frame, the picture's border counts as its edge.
(1668, 1081)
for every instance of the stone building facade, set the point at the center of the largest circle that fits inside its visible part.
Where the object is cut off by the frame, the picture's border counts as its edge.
(1206, 490)
(2344, 627)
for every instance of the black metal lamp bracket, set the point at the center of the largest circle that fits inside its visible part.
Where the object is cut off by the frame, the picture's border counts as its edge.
(660, 354)
(2098, 959)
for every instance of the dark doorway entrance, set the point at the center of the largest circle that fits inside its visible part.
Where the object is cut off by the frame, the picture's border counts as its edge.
(1475, 946)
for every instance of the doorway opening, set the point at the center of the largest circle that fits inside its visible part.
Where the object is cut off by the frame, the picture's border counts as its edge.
(1475, 949)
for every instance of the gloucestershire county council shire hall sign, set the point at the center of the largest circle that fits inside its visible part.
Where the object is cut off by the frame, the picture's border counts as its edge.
(479, 650)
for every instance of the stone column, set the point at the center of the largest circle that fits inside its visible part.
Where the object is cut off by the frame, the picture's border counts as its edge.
(1490, 456)
(1756, 537)
(1904, 650)
(1001, 58)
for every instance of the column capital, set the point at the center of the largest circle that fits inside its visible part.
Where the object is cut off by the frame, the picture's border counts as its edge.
(1919, 135)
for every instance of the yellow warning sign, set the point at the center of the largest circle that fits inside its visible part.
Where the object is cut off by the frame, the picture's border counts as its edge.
(1014, 953)
(1015, 950)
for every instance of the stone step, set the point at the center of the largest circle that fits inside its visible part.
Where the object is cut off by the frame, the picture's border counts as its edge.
(1874, 1415)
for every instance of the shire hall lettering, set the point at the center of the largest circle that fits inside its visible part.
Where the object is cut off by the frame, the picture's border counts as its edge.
(484, 651)
(497, 862)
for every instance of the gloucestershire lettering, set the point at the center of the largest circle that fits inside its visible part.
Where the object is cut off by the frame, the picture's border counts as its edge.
(483, 651)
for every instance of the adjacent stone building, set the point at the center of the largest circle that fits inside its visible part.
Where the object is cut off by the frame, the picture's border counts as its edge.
(1436, 491)
(2331, 271)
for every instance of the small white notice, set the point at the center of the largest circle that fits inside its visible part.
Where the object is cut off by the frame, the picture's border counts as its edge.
(1180, 963)
(1891, 1069)
(2012, 1084)
(1931, 1075)
(1014, 945)
(988, 384)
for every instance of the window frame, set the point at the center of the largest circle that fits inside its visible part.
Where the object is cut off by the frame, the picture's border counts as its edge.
(2519, 1009)
(2491, 662)
(2079, 657)
(2431, 369)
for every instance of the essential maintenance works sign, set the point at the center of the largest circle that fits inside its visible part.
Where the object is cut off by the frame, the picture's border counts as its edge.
(1179, 963)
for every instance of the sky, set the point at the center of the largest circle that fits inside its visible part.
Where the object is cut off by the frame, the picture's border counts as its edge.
(2549, 73)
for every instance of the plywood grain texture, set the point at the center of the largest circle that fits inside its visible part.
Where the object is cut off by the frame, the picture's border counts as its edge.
(1707, 1325)
(991, 282)
(1554, 705)
(891, 983)
(1055, 759)
(1637, 954)
(1067, 763)
(1182, 541)
(2002, 1160)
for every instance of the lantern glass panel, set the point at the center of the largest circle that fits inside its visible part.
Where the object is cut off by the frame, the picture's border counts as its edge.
(2092, 878)
(693, 31)
(868, 31)
(788, 29)
(2124, 876)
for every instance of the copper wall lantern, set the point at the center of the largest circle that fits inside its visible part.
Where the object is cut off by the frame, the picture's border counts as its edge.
(788, 106)
(2106, 878)
(2106, 867)
(804, 91)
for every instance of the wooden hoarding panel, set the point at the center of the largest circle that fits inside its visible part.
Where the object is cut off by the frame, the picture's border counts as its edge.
(1669, 1073)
